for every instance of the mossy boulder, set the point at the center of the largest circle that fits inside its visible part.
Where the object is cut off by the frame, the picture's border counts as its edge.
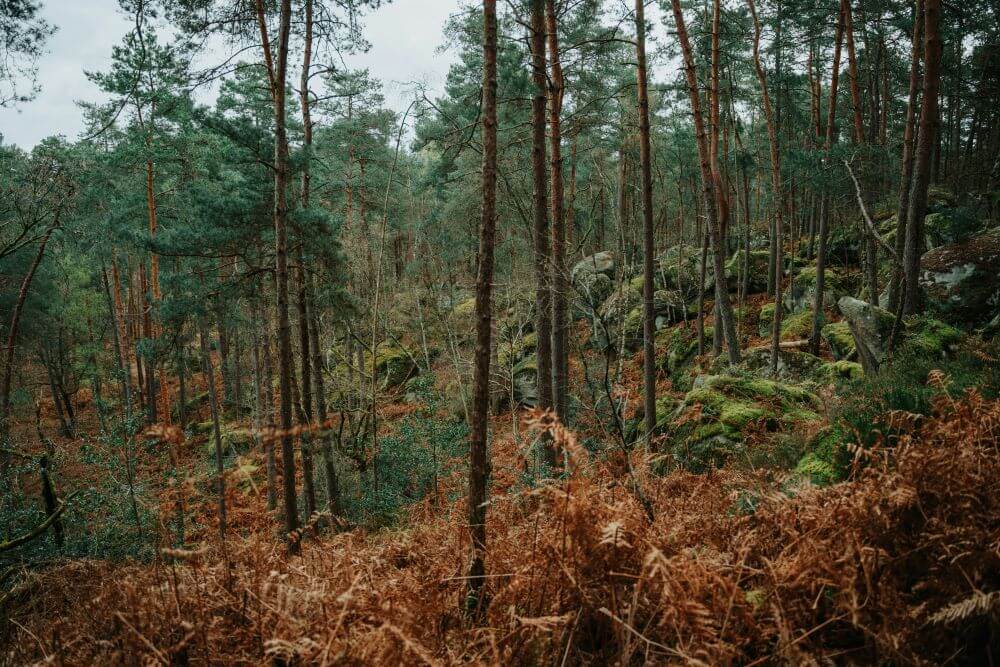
(525, 381)
(601, 262)
(798, 325)
(618, 305)
(962, 280)
(679, 268)
(931, 336)
(728, 405)
(590, 291)
(510, 352)
(765, 320)
(676, 349)
(833, 371)
(801, 293)
(757, 276)
(871, 328)
(394, 366)
(793, 365)
(839, 338)
(632, 329)
(235, 439)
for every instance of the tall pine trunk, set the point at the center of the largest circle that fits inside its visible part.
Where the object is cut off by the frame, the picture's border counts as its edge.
(479, 464)
(708, 190)
(646, 169)
(543, 293)
(926, 141)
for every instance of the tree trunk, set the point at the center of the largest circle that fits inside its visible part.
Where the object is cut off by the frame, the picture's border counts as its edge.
(560, 282)
(543, 293)
(213, 403)
(708, 189)
(779, 199)
(645, 161)
(824, 221)
(927, 139)
(479, 464)
(15, 320)
(277, 74)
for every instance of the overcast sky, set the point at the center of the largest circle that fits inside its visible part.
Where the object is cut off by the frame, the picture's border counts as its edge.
(404, 35)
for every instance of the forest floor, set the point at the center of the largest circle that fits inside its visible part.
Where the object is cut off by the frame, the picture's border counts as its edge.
(618, 561)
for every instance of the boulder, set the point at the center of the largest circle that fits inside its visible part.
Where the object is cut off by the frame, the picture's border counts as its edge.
(871, 328)
(759, 260)
(394, 366)
(590, 290)
(525, 382)
(931, 336)
(798, 325)
(720, 407)
(679, 268)
(602, 262)
(801, 293)
(765, 321)
(618, 305)
(962, 280)
(793, 365)
(840, 340)
(676, 348)
(833, 371)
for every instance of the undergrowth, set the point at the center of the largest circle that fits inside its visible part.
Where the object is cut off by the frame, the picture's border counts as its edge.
(899, 565)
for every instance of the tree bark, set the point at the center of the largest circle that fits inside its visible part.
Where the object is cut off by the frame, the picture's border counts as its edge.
(779, 199)
(543, 292)
(560, 282)
(277, 69)
(479, 464)
(926, 141)
(646, 169)
(15, 320)
(824, 222)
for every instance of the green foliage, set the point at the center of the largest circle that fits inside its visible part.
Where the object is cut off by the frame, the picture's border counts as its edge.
(422, 449)
(101, 522)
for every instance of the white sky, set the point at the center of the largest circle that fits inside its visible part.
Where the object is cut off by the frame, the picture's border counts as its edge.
(404, 36)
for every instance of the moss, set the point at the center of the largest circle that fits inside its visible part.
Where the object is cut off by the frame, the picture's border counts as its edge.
(839, 370)
(797, 326)
(737, 414)
(465, 309)
(394, 365)
(635, 285)
(511, 352)
(931, 336)
(840, 339)
(819, 472)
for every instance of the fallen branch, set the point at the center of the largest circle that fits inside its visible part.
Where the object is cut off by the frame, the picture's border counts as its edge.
(40, 528)
(868, 219)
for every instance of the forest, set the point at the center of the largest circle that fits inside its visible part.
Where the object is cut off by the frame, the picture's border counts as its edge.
(665, 332)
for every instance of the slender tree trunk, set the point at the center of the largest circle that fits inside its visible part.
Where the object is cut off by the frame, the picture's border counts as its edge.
(779, 199)
(277, 73)
(560, 276)
(213, 403)
(824, 221)
(15, 321)
(645, 161)
(479, 464)
(543, 292)
(708, 189)
(927, 139)
(906, 167)
(870, 248)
